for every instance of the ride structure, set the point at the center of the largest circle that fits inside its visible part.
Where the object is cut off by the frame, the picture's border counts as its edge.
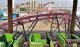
(63, 38)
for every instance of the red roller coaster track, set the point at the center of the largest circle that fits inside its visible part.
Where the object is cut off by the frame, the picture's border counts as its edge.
(32, 17)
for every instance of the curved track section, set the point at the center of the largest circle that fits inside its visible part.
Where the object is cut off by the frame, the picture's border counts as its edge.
(4, 26)
(32, 17)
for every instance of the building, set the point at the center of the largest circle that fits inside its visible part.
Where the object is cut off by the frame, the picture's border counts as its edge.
(27, 7)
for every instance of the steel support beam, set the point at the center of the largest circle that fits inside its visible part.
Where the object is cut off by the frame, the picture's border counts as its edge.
(73, 16)
(10, 21)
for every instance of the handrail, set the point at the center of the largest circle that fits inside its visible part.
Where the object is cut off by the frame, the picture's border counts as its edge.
(63, 38)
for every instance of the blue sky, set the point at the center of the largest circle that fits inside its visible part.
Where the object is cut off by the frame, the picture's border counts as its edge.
(57, 3)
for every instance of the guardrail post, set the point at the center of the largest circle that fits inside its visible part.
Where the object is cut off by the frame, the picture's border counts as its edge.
(73, 16)
(10, 21)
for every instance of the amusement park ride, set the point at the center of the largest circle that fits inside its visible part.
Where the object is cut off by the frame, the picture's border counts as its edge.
(67, 38)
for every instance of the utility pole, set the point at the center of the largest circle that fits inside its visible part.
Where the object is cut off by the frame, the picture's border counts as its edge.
(10, 21)
(73, 16)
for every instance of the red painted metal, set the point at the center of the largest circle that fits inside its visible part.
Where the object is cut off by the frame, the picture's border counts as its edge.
(31, 18)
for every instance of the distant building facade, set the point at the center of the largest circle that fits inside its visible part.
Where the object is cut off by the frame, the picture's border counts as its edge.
(28, 7)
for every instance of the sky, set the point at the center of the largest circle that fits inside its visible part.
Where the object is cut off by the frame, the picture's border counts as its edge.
(57, 3)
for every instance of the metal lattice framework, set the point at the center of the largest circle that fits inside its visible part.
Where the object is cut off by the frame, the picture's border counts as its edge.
(44, 13)
(32, 17)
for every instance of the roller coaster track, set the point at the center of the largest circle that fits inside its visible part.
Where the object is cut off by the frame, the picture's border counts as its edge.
(31, 18)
